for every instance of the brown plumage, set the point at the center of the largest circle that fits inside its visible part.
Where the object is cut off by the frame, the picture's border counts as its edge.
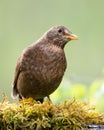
(41, 65)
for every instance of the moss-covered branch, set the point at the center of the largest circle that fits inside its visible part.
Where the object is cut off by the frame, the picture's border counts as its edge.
(31, 115)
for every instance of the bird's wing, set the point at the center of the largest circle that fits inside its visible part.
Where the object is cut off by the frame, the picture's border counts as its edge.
(17, 72)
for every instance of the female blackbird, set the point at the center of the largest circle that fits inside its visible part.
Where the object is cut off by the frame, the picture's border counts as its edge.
(41, 65)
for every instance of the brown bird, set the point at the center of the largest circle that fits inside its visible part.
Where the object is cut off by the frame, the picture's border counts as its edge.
(41, 65)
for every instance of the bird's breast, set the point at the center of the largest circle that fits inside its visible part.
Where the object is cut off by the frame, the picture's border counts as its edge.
(47, 64)
(52, 64)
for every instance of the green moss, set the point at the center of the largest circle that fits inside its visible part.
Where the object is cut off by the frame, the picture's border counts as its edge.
(31, 115)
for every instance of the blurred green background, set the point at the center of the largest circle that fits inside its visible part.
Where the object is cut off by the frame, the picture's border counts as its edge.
(24, 21)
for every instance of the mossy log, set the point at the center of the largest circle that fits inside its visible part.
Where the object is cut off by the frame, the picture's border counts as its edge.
(28, 114)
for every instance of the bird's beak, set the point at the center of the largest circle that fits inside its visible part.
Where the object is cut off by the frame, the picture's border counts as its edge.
(71, 36)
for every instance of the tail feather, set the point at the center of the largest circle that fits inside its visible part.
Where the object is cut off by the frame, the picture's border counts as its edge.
(14, 93)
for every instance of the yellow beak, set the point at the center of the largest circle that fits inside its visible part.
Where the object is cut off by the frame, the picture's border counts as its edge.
(71, 36)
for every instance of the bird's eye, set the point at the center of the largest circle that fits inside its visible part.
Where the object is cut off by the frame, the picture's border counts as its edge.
(60, 30)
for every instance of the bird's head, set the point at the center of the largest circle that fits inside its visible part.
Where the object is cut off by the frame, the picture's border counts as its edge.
(60, 35)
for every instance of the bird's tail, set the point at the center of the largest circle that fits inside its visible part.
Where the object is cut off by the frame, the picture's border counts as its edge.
(14, 93)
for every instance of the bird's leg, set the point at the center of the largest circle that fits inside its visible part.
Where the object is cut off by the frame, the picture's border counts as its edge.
(20, 97)
(41, 100)
(48, 97)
